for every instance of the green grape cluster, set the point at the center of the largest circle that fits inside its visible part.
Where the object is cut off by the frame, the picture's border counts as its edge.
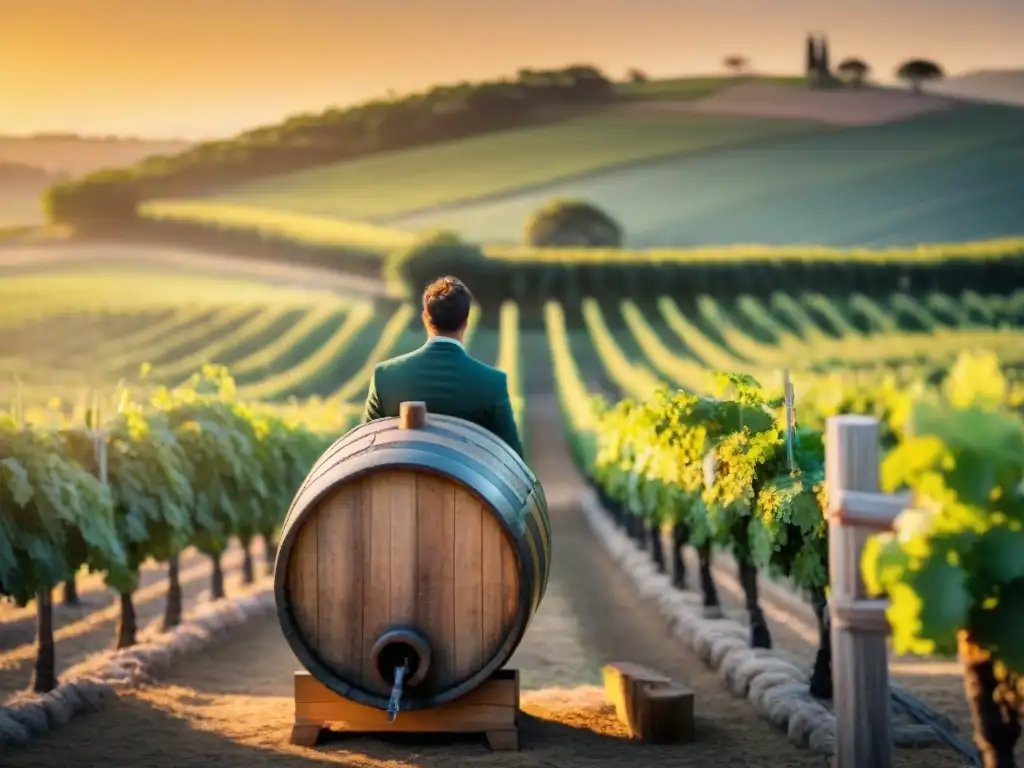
(955, 561)
(190, 466)
(651, 459)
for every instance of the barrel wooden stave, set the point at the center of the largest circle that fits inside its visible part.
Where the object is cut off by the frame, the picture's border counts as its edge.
(451, 498)
(417, 525)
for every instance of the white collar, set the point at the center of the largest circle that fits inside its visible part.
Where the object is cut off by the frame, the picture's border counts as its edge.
(445, 339)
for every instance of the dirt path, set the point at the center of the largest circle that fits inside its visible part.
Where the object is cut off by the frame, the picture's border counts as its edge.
(90, 628)
(233, 705)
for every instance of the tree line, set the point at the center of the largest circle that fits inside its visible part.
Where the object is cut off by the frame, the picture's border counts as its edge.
(105, 199)
(852, 70)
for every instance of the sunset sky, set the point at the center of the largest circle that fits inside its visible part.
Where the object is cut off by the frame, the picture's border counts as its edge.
(202, 68)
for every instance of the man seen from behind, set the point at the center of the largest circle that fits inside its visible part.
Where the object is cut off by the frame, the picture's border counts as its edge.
(442, 374)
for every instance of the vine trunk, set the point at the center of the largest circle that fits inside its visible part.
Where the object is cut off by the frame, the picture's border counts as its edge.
(216, 578)
(173, 608)
(127, 629)
(71, 592)
(248, 568)
(269, 551)
(996, 722)
(44, 675)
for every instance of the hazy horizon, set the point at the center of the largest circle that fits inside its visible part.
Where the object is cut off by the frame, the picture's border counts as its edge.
(187, 70)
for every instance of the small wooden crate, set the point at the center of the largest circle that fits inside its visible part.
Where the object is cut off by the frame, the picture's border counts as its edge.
(491, 709)
(653, 707)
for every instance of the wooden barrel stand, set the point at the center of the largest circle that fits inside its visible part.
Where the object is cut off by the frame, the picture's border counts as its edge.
(491, 709)
(409, 566)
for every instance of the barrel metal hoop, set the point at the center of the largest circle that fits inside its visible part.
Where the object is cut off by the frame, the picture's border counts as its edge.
(437, 423)
(516, 470)
(490, 438)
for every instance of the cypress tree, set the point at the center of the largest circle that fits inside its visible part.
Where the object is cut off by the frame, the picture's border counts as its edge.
(823, 64)
(812, 58)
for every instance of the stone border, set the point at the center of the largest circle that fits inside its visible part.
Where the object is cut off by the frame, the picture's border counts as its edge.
(89, 685)
(774, 685)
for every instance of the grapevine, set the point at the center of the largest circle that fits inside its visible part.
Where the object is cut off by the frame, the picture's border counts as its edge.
(190, 466)
(736, 475)
(953, 566)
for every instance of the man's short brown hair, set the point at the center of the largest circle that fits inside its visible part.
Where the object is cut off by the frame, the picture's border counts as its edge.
(446, 304)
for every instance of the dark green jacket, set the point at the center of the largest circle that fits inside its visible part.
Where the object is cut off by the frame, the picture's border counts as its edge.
(450, 382)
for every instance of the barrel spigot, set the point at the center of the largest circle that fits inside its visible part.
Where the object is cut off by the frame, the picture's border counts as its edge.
(400, 660)
(395, 703)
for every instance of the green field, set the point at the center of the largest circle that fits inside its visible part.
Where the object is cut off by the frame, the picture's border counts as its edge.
(384, 186)
(671, 181)
(943, 178)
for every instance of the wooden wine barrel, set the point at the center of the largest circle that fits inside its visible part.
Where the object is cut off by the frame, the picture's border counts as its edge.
(423, 539)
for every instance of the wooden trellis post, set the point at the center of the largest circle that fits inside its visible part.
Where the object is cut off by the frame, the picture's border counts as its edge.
(859, 628)
(790, 419)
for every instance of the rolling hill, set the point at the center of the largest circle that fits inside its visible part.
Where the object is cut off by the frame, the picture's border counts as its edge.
(1000, 86)
(43, 159)
(74, 155)
(945, 177)
(752, 163)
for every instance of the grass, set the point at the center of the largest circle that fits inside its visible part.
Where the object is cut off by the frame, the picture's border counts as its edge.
(942, 178)
(384, 186)
(308, 229)
(693, 88)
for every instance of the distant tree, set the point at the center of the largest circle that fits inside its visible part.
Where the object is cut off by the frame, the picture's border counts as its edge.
(812, 58)
(823, 58)
(566, 223)
(636, 76)
(441, 250)
(853, 71)
(918, 71)
(103, 201)
(736, 64)
(818, 73)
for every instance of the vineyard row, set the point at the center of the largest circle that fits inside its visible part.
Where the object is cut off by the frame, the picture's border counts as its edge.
(324, 354)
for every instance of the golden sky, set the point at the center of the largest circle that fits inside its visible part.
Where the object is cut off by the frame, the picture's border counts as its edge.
(200, 68)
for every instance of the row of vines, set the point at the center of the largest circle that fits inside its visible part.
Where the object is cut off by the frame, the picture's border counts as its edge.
(186, 467)
(737, 470)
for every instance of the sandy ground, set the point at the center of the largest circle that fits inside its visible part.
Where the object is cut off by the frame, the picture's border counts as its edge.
(840, 107)
(232, 706)
(91, 627)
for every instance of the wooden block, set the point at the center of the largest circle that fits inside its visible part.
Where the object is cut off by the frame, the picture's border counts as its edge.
(503, 741)
(305, 735)
(655, 708)
(491, 709)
